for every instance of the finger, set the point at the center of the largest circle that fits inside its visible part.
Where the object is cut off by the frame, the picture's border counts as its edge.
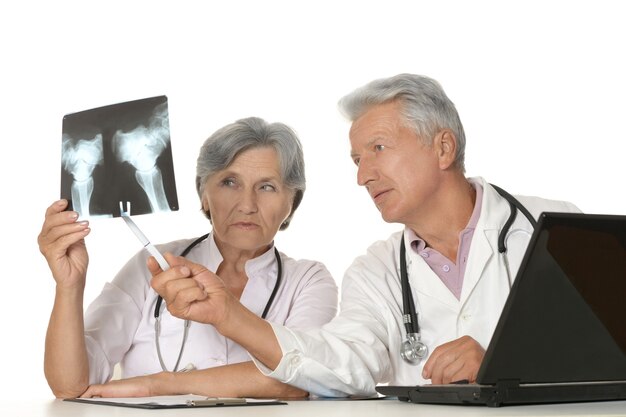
(56, 242)
(179, 293)
(55, 215)
(182, 261)
(205, 278)
(173, 287)
(58, 225)
(449, 373)
(153, 266)
(173, 261)
(160, 278)
(180, 305)
(432, 360)
(56, 207)
(62, 233)
(438, 357)
(453, 361)
(444, 361)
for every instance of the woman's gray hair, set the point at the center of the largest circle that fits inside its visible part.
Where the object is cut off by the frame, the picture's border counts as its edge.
(223, 146)
(425, 106)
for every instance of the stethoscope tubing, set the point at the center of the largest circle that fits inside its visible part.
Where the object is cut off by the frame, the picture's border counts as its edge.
(159, 302)
(409, 314)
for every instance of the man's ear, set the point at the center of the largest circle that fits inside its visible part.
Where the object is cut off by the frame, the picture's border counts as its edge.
(445, 145)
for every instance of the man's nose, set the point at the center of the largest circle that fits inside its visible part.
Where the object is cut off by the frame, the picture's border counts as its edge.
(366, 171)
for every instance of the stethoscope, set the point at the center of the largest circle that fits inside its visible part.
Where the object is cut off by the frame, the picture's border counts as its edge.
(412, 349)
(159, 301)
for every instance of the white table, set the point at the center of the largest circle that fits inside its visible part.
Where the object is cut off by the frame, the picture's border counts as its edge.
(317, 408)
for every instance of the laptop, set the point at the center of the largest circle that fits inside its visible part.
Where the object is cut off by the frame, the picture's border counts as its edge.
(561, 336)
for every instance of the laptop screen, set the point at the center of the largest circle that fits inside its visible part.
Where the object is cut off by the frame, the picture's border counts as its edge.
(564, 318)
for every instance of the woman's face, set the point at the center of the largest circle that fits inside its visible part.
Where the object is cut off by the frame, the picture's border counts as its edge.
(248, 201)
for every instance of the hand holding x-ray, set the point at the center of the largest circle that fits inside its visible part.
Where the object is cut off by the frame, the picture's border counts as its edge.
(62, 242)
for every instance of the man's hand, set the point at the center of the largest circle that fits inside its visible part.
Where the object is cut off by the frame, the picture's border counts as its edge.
(194, 293)
(454, 361)
(191, 291)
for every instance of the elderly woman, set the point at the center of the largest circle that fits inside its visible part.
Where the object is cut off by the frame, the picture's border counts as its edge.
(250, 179)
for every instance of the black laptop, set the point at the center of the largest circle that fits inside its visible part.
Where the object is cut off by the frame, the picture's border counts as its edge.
(562, 333)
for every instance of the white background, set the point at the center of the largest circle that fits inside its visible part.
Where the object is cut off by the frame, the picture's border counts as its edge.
(539, 85)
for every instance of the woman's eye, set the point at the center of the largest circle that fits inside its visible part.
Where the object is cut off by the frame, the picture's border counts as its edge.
(228, 182)
(268, 187)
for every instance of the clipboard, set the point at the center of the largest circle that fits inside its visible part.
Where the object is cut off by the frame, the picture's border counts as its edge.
(176, 401)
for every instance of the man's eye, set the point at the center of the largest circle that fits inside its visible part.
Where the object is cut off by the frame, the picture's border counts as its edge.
(268, 187)
(356, 161)
(379, 147)
(228, 182)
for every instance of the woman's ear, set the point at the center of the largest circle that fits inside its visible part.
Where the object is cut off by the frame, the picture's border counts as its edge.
(205, 202)
(205, 207)
(445, 144)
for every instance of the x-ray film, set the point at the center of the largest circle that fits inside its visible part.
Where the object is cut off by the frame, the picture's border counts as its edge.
(119, 153)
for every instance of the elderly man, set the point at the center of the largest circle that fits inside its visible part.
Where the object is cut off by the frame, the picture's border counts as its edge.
(408, 145)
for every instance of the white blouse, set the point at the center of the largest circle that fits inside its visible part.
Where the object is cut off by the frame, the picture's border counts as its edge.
(119, 323)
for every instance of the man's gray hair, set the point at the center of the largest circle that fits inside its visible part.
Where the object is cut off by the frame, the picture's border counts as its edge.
(425, 106)
(223, 146)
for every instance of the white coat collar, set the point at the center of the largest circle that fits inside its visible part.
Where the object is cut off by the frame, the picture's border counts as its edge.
(253, 266)
(494, 213)
(262, 275)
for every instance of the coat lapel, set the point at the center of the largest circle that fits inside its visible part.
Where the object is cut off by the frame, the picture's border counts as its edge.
(428, 284)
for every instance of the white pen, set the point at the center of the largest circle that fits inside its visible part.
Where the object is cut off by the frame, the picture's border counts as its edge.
(142, 238)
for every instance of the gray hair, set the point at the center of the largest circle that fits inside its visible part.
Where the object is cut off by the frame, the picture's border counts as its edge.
(425, 106)
(223, 146)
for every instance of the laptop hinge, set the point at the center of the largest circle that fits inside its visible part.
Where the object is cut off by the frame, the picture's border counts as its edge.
(501, 393)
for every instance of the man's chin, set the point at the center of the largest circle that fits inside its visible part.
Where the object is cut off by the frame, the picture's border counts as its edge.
(388, 217)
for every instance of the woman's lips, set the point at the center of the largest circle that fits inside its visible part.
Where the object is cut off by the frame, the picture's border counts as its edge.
(245, 225)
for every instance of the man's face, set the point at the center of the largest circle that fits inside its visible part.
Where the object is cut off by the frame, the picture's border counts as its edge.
(400, 173)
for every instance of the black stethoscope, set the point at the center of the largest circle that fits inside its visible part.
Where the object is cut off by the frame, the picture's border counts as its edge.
(157, 307)
(413, 350)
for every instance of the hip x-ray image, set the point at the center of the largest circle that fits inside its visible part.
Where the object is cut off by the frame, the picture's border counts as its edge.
(116, 154)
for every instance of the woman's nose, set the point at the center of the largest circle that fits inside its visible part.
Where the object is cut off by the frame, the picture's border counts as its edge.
(248, 202)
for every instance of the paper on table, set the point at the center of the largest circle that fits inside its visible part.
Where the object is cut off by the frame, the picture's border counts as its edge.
(175, 401)
(157, 400)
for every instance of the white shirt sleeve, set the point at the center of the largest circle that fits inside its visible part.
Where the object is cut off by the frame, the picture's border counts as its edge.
(347, 356)
(112, 319)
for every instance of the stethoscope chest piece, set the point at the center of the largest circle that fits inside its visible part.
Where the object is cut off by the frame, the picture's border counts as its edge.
(413, 350)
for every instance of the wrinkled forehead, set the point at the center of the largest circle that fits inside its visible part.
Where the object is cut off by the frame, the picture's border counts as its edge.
(256, 158)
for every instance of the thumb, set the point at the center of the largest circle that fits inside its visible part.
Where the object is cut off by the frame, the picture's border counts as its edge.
(172, 260)
(191, 269)
(207, 280)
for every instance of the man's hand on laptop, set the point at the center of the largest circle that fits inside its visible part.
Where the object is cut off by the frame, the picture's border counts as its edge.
(454, 361)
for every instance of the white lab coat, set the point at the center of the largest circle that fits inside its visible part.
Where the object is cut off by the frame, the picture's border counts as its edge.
(361, 346)
(119, 323)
